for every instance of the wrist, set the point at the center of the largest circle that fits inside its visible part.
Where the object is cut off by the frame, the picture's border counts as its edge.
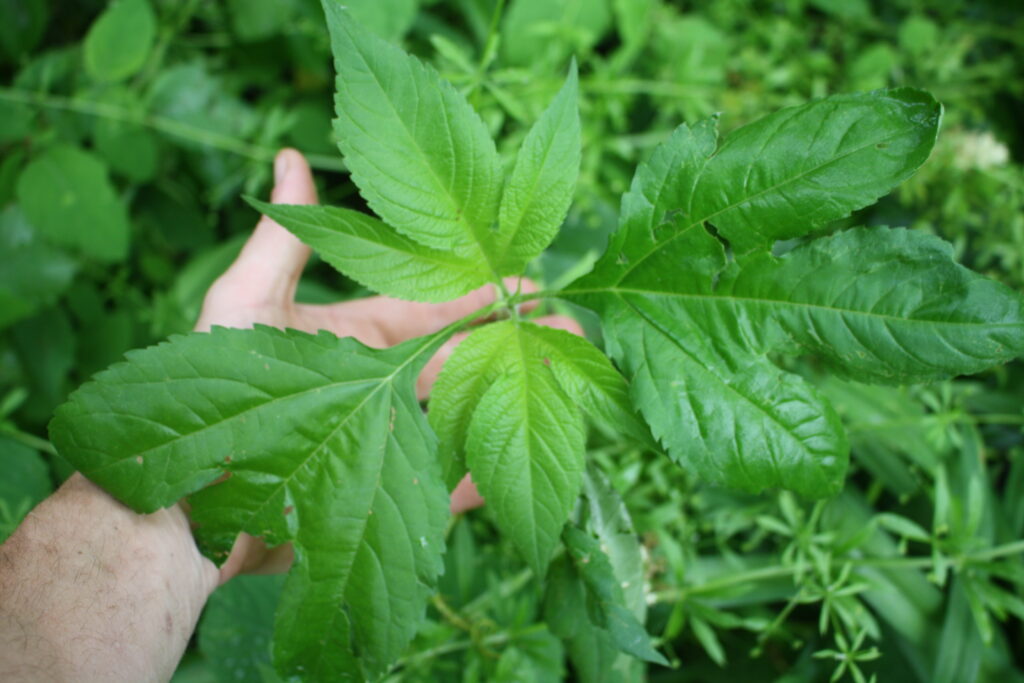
(91, 590)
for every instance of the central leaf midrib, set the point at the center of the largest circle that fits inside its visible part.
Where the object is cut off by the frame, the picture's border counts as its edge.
(719, 299)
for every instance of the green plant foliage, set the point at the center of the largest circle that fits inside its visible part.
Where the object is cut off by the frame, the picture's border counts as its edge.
(67, 196)
(802, 309)
(118, 44)
(360, 497)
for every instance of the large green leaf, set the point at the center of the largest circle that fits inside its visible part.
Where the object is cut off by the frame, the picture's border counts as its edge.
(508, 404)
(525, 448)
(374, 254)
(67, 196)
(120, 40)
(539, 191)
(421, 156)
(315, 440)
(803, 167)
(881, 305)
(691, 327)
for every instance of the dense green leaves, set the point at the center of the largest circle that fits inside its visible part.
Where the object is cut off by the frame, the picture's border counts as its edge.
(67, 196)
(420, 155)
(879, 304)
(375, 255)
(323, 444)
(119, 42)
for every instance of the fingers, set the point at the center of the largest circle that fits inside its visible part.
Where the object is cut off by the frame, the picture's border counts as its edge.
(382, 321)
(250, 555)
(271, 262)
(465, 496)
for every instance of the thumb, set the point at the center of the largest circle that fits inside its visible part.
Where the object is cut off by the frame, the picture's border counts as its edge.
(271, 262)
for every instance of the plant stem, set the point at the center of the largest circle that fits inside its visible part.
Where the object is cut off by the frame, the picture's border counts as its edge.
(163, 124)
(778, 572)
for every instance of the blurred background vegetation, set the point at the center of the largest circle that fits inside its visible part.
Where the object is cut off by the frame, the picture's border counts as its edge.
(129, 131)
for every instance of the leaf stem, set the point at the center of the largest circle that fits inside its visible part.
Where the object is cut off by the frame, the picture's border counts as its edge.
(162, 124)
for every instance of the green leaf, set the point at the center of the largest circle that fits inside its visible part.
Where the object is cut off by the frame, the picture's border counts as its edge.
(419, 154)
(724, 413)
(119, 41)
(34, 274)
(375, 255)
(883, 305)
(471, 369)
(879, 305)
(67, 196)
(323, 443)
(525, 448)
(800, 168)
(588, 378)
(582, 372)
(255, 20)
(540, 189)
(608, 607)
(390, 19)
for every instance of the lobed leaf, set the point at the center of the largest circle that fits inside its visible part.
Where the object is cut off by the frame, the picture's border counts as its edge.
(315, 440)
(509, 396)
(375, 255)
(878, 304)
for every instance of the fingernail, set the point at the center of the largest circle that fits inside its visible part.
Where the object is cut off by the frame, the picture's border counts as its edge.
(280, 167)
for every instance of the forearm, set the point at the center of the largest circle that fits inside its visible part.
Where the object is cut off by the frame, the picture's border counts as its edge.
(91, 591)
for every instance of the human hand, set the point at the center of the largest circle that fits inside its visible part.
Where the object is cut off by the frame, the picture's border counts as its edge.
(259, 287)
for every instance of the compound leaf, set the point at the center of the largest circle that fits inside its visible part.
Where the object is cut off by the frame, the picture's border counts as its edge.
(883, 305)
(419, 154)
(539, 191)
(315, 440)
(375, 255)
(120, 40)
(499, 407)
(525, 449)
